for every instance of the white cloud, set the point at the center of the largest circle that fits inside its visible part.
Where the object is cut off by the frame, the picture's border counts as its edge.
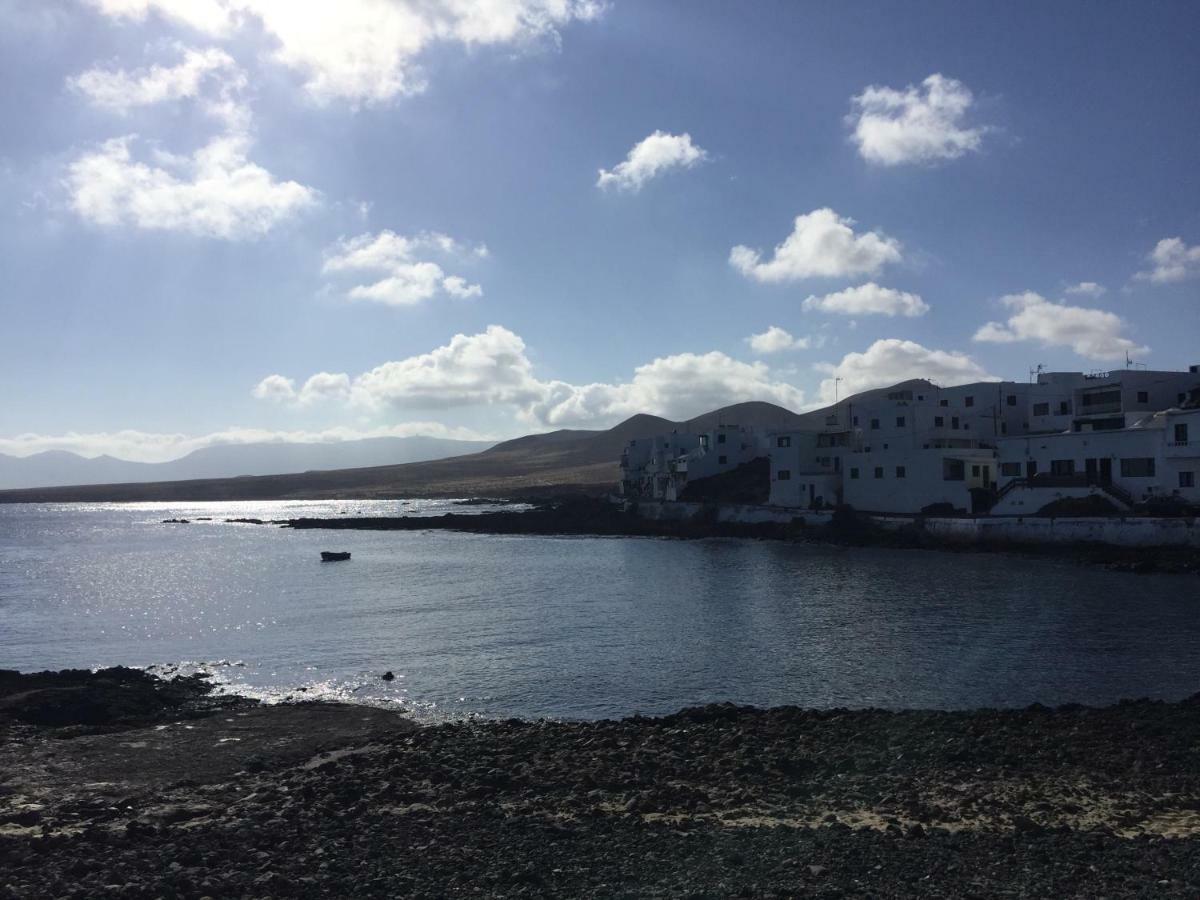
(891, 360)
(492, 368)
(822, 244)
(1172, 260)
(892, 127)
(216, 192)
(651, 157)
(776, 340)
(406, 279)
(146, 446)
(366, 51)
(869, 299)
(119, 91)
(1092, 333)
(1086, 289)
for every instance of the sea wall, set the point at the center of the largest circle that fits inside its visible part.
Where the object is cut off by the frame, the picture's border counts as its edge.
(742, 514)
(1119, 531)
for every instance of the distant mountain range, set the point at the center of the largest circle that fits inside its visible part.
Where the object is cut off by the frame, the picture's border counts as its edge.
(538, 464)
(60, 467)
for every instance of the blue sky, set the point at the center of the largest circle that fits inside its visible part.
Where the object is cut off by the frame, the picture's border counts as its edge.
(226, 220)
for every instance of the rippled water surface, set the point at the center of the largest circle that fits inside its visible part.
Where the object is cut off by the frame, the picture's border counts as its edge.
(575, 627)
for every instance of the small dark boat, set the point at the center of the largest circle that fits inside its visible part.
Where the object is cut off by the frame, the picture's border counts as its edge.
(331, 556)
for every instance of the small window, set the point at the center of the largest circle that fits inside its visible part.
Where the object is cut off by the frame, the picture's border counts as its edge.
(899, 471)
(721, 438)
(879, 471)
(784, 475)
(1004, 428)
(970, 401)
(1187, 479)
(1140, 467)
(1041, 409)
(1179, 398)
(953, 470)
(722, 460)
(974, 471)
(943, 403)
(1010, 469)
(1011, 399)
(1181, 437)
(1062, 467)
(784, 442)
(939, 421)
(854, 473)
(855, 422)
(1064, 408)
(899, 421)
(954, 421)
(875, 424)
(1143, 396)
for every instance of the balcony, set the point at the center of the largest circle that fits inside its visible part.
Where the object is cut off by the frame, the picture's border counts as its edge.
(1096, 409)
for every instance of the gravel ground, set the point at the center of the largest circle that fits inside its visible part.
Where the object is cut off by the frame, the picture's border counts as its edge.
(320, 800)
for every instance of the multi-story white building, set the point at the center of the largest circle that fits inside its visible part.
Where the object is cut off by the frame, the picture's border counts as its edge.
(919, 447)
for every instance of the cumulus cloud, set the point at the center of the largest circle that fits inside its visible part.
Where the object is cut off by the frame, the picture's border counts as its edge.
(406, 279)
(492, 368)
(1172, 260)
(776, 340)
(651, 157)
(148, 446)
(891, 360)
(215, 192)
(1087, 289)
(119, 91)
(822, 244)
(1092, 333)
(914, 125)
(869, 299)
(365, 51)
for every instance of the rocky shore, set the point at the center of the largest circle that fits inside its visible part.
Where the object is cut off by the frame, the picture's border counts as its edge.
(180, 794)
(596, 517)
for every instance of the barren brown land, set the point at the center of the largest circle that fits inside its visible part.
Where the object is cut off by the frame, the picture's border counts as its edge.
(117, 785)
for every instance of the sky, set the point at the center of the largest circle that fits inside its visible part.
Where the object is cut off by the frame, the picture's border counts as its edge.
(235, 220)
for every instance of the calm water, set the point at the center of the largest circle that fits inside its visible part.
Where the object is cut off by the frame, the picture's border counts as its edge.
(575, 627)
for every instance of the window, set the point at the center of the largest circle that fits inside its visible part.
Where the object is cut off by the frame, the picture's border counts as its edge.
(784, 442)
(900, 471)
(953, 470)
(721, 438)
(722, 460)
(1004, 428)
(1010, 470)
(1139, 467)
(1041, 409)
(855, 421)
(1187, 479)
(974, 471)
(1064, 408)
(875, 424)
(1181, 434)
(854, 473)
(1179, 398)
(943, 403)
(879, 471)
(1011, 399)
(954, 421)
(1143, 396)
(899, 421)
(784, 475)
(1101, 398)
(970, 401)
(1062, 467)
(939, 421)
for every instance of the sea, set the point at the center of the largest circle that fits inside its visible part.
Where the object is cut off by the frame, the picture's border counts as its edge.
(573, 627)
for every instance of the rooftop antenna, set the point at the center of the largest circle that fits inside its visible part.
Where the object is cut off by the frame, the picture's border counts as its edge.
(836, 381)
(1034, 372)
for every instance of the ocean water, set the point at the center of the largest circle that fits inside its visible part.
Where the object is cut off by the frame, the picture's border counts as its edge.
(574, 627)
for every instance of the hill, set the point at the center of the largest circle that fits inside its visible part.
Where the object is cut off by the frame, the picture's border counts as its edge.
(59, 467)
(556, 462)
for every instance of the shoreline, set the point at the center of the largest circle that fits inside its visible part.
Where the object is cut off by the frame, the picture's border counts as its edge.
(174, 795)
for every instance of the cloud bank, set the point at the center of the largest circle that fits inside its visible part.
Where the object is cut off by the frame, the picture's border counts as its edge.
(1092, 333)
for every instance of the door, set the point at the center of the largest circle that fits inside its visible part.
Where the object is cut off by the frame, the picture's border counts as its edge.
(1030, 468)
(1093, 471)
(1106, 471)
